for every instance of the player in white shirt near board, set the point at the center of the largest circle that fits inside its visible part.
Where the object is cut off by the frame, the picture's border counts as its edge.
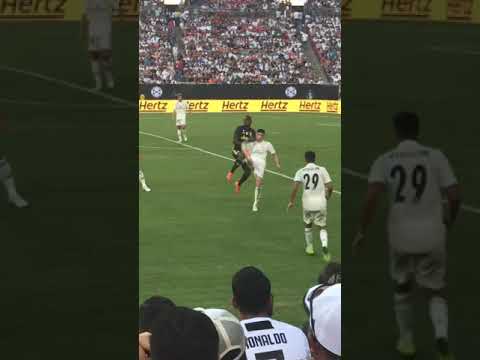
(180, 116)
(97, 21)
(256, 154)
(415, 178)
(265, 338)
(317, 189)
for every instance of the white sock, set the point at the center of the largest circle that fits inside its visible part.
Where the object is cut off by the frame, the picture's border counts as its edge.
(258, 192)
(179, 133)
(107, 71)
(324, 238)
(308, 236)
(404, 314)
(7, 179)
(184, 131)
(141, 177)
(439, 316)
(96, 71)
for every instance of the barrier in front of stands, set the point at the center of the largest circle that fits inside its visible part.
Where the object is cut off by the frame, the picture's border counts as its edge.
(464, 11)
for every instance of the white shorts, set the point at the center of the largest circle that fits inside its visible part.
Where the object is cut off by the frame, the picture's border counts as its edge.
(258, 167)
(100, 36)
(318, 218)
(181, 121)
(427, 270)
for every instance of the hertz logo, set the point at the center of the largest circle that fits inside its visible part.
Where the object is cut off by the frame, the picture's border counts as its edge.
(152, 106)
(310, 106)
(18, 9)
(408, 8)
(198, 106)
(234, 106)
(274, 106)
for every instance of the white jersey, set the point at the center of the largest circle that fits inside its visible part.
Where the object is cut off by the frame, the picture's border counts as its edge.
(271, 339)
(260, 150)
(414, 176)
(313, 178)
(181, 109)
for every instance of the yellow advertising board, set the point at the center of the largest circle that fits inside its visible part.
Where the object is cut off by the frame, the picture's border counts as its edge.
(426, 10)
(62, 10)
(241, 106)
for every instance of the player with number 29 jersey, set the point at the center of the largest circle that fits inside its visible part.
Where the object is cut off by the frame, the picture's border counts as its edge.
(314, 178)
(414, 176)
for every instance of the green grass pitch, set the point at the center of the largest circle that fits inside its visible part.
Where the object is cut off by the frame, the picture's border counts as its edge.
(195, 232)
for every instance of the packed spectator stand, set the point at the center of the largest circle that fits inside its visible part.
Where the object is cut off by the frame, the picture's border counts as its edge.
(240, 42)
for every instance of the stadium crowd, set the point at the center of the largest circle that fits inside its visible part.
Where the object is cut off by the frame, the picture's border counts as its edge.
(239, 41)
(168, 331)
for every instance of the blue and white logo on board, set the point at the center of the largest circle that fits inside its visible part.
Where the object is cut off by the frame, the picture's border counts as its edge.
(156, 92)
(291, 91)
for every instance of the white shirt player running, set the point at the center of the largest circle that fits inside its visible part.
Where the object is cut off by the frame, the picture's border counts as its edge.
(274, 340)
(314, 178)
(181, 113)
(415, 176)
(99, 14)
(259, 151)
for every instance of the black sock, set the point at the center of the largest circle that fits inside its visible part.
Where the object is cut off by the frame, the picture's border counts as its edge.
(246, 174)
(234, 167)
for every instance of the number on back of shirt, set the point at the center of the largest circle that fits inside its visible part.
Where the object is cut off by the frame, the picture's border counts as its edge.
(311, 182)
(270, 355)
(417, 179)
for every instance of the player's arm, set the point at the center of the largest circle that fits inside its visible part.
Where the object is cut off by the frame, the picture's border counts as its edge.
(453, 196)
(276, 159)
(293, 194)
(328, 189)
(237, 137)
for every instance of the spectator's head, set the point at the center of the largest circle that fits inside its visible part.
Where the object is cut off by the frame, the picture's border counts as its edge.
(260, 135)
(406, 125)
(183, 334)
(231, 337)
(247, 121)
(310, 157)
(325, 322)
(252, 294)
(150, 308)
(331, 274)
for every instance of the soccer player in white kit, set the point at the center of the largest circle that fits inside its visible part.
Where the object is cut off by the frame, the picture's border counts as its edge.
(265, 338)
(98, 19)
(317, 189)
(143, 182)
(256, 154)
(180, 116)
(415, 178)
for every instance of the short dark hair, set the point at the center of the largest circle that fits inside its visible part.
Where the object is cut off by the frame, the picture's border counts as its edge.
(406, 124)
(331, 274)
(150, 308)
(251, 290)
(310, 156)
(184, 334)
(261, 131)
(247, 120)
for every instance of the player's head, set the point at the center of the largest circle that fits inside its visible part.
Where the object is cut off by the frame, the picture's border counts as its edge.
(406, 125)
(331, 274)
(231, 337)
(150, 309)
(325, 322)
(183, 334)
(260, 136)
(252, 295)
(179, 96)
(310, 157)
(247, 120)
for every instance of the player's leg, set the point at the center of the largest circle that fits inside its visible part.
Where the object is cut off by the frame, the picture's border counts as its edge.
(179, 132)
(237, 162)
(309, 248)
(96, 69)
(184, 132)
(431, 277)
(6, 177)
(106, 65)
(258, 190)
(321, 221)
(143, 182)
(247, 171)
(402, 267)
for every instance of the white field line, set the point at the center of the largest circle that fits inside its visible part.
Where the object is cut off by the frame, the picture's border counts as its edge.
(163, 147)
(215, 154)
(118, 100)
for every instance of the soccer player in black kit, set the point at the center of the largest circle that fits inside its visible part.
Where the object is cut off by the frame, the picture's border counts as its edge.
(243, 133)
